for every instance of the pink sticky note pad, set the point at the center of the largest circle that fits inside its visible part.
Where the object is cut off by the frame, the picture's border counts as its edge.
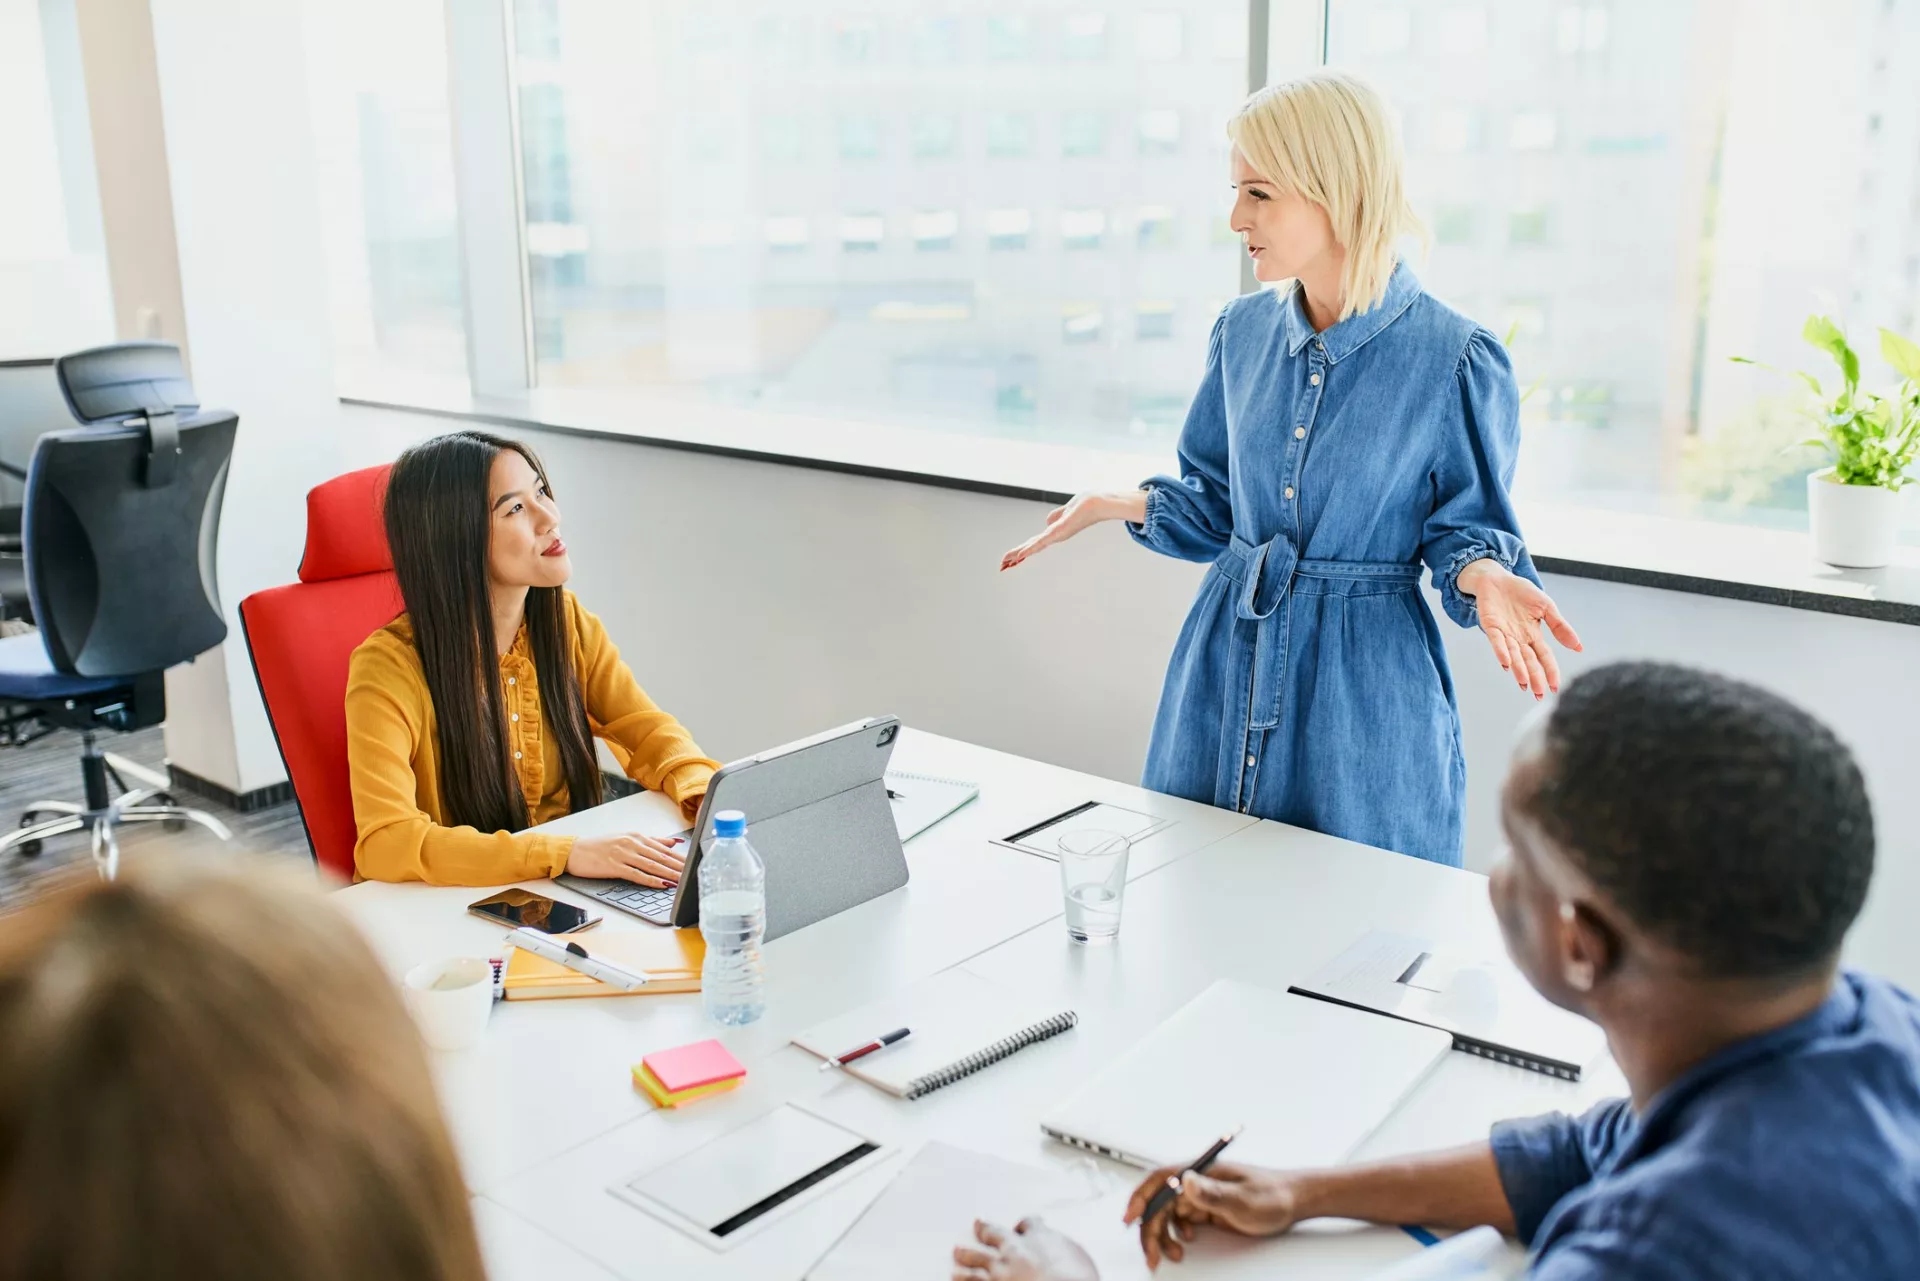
(691, 1066)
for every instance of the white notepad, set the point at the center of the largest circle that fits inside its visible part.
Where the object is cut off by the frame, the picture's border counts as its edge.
(960, 1024)
(726, 1191)
(924, 800)
(910, 1230)
(1309, 1082)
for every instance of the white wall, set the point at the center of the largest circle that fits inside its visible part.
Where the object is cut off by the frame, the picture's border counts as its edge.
(760, 602)
(209, 197)
(1861, 677)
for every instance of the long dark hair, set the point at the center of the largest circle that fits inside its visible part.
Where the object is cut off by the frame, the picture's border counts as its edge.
(439, 523)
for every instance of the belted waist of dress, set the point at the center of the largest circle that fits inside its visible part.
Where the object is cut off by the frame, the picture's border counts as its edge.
(1265, 572)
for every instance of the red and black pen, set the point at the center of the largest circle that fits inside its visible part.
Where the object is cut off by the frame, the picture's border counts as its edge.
(878, 1043)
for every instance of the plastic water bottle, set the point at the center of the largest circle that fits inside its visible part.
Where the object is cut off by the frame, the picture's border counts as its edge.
(733, 918)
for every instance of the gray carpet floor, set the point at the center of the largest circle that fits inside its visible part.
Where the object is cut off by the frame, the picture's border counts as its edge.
(48, 769)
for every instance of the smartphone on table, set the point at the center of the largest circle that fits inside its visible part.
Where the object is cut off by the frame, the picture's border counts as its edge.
(535, 911)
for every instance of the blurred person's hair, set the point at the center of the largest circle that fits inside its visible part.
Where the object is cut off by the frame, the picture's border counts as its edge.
(209, 1076)
(1330, 137)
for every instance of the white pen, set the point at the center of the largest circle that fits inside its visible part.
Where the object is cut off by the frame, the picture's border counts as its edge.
(575, 957)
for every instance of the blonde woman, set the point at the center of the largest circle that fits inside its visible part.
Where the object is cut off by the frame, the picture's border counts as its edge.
(1350, 428)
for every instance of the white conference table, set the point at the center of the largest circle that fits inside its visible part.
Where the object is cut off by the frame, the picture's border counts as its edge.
(546, 1118)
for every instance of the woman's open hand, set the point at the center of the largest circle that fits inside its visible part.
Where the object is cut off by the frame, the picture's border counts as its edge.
(1083, 512)
(1511, 612)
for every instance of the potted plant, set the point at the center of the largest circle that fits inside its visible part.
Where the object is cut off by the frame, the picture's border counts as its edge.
(1872, 440)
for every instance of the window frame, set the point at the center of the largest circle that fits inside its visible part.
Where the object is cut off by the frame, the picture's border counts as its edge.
(1733, 561)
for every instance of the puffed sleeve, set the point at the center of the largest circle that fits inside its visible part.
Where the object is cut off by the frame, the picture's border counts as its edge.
(1191, 516)
(1473, 517)
(652, 747)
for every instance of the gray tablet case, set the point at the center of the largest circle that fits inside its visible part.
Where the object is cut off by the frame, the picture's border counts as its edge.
(818, 814)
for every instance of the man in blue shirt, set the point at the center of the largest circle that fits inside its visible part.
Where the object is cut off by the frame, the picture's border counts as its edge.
(1687, 853)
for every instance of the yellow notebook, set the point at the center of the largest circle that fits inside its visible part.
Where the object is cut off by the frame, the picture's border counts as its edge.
(671, 957)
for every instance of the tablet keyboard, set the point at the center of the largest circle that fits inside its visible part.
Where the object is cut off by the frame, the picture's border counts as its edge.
(640, 900)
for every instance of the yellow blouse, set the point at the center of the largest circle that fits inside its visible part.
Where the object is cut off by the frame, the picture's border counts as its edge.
(393, 758)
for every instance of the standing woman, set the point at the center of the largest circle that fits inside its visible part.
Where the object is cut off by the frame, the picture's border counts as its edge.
(1349, 428)
(472, 716)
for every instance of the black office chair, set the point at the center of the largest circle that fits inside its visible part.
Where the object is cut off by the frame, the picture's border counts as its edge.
(120, 525)
(13, 565)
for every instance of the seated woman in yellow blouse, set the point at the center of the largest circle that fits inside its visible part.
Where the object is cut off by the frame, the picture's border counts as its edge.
(472, 716)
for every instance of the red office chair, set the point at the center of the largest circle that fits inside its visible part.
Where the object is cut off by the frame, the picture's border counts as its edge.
(300, 637)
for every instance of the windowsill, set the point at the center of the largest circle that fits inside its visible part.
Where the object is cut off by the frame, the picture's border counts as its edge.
(1707, 558)
(982, 464)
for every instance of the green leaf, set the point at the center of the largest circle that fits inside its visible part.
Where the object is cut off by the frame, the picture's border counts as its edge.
(1830, 338)
(1812, 382)
(1902, 353)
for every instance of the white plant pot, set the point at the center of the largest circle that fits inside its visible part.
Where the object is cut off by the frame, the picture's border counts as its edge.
(1854, 526)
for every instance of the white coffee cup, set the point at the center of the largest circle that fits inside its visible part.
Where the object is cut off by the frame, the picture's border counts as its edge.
(450, 1000)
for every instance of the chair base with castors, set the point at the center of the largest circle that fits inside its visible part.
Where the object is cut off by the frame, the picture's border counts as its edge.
(90, 704)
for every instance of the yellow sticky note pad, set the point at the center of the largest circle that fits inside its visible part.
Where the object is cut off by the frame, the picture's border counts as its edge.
(663, 1098)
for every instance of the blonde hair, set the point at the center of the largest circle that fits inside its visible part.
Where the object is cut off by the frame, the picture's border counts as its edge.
(1329, 137)
(207, 1078)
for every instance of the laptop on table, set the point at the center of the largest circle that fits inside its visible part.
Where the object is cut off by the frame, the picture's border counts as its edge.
(817, 812)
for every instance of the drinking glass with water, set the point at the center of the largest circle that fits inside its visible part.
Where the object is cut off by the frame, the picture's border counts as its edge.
(1093, 876)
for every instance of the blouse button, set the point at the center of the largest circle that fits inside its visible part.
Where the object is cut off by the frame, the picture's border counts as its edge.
(516, 756)
(1315, 380)
(1289, 491)
(510, 680)
(1299, 433)
(516, 716)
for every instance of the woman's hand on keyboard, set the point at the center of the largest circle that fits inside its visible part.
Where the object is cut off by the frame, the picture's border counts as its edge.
(629, 856)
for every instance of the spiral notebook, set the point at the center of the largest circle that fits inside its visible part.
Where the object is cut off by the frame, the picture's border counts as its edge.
(921, 800)
(1485, 1004)
(960, 1024)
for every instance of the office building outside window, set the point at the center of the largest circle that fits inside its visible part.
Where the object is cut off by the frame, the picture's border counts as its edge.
(1665, 185)
(909, 249)
(1003, 218)
(383, 150)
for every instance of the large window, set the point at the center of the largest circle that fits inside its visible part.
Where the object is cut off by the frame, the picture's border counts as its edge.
(383, 139)
(1637, 190)
(947, 215)
(1007, 217)
(53, 264)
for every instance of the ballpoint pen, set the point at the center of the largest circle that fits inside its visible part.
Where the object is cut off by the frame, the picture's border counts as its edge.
(1166, 1194)
(861, 1052)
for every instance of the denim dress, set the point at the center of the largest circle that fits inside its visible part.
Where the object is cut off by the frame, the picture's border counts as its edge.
(1318, 472)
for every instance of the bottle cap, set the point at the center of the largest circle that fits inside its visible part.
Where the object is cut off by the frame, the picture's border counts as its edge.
(729, 823)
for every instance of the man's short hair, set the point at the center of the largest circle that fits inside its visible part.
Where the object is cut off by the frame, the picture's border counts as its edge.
(1722, 819)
